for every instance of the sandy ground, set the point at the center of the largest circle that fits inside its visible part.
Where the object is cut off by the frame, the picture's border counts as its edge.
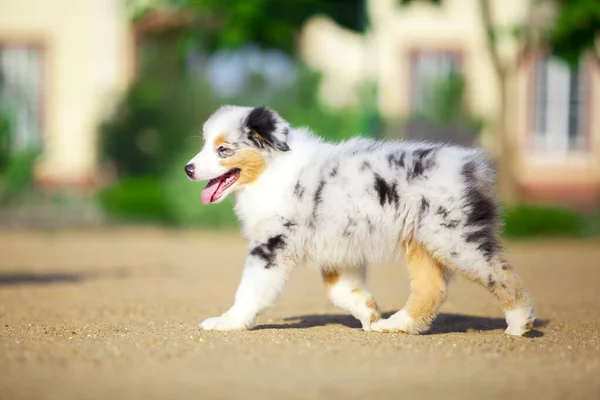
(114, 314)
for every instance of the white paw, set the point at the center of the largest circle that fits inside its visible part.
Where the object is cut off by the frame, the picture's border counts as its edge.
(520, 321)
(515, 331)
(225, 323)
(399, 322)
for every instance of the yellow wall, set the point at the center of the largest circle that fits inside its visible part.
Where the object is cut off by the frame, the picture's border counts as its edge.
(88, 59)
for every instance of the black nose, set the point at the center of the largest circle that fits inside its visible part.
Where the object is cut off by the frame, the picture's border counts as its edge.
(189, 170)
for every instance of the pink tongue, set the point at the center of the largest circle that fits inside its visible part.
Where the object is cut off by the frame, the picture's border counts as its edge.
(209, 191)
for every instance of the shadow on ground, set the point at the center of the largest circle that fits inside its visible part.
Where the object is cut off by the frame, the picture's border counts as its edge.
(444, 323)
(48, 278)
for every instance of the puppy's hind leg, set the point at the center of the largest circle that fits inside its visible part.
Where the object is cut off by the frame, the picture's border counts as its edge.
(500, 278)
(346, 289)
(429, 280)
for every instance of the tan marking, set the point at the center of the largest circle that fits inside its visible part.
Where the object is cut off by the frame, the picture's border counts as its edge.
(371, 304)
(374, 317)
(219, 140)
(508, 288)
(428, 286)
(330, 277)
(250, 163)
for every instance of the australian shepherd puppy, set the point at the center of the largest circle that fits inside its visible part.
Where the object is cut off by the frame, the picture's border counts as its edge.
(345, 206)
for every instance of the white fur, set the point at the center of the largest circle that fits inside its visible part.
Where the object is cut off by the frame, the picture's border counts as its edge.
(517, 321)
(323, 201)
(399, 322)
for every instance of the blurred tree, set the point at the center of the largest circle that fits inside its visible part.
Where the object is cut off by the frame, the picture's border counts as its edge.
(570, 29)
(576, 30)
(218, 24)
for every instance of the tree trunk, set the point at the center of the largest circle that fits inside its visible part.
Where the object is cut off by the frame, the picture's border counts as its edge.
(507, 151)
(505, 147)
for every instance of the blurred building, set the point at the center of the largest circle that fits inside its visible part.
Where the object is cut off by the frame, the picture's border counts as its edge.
(62, 63)
(551, 118)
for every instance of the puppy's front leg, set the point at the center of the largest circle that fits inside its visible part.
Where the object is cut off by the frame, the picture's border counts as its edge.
(264, 277)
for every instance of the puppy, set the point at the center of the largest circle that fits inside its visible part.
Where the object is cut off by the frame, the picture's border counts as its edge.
(345, 206)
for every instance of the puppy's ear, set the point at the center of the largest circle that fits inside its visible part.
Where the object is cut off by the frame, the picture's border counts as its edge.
(267, 128)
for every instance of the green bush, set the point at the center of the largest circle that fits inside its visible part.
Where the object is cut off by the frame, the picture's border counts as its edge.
(17, 174)
(137, 199)
(446, 105)
(542, 221)
(5, 130)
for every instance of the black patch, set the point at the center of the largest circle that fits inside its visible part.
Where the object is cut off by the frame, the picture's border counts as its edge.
(317, 200)
(453, 254)
(468, 172)
(423, 209)
(299, 190)
(319, 193)
(396, 160)
(424, 206)
(290, 224)
(487, 242)
(442, 211)
(423, 160)
(387, 192)
(450, 224)
(349, 227)
(268, 251)
(491, 282)
(370, 225)
(333, 172)
(365, 165)
(482, 213)
(482, 210)
(262, 123)
(420, 154)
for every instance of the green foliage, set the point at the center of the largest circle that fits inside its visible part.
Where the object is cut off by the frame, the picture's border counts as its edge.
(446, 104)
(153, 124)
(543, 221)
(221, 24)
(171, 200)
(5, 129)
(137, 199)
(17, 174)
(576, 29)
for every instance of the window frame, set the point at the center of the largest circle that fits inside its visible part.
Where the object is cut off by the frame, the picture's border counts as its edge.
(455, 52)
(41, 47)
(587, 69)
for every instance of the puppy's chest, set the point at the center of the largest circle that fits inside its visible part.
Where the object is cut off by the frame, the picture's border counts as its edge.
(268, 211)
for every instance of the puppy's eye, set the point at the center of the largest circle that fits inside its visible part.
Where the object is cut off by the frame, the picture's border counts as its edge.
(222, 150)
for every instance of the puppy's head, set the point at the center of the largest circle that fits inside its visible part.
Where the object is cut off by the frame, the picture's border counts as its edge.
(238, 143)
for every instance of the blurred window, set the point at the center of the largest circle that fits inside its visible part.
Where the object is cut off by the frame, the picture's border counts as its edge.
(559, 107)
(20, 93)
(428, 69)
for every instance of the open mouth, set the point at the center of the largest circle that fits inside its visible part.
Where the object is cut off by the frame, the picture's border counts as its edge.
(216, 187)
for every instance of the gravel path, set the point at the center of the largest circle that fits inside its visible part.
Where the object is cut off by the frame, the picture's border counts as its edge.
(114, 314)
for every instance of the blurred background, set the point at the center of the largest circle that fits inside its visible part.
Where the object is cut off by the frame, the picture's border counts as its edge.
(102, 101)
(108, 259)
